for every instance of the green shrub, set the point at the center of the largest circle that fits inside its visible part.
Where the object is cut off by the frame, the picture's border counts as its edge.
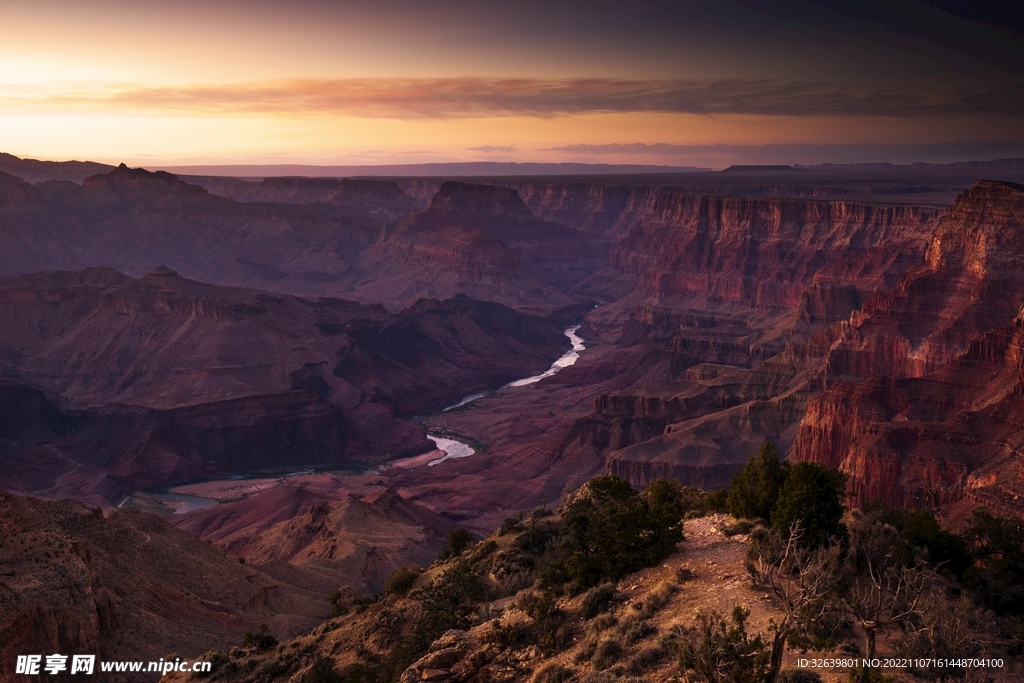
(738, 527)
(554, 633)
(717, 501)
(611, 530)
(458, 541)
(447, 602)
(755, 489)
(813, 496)
(510, 524)
(997, 546)
(638, 631)
(262, 639)
(401, 580)
(599, 599)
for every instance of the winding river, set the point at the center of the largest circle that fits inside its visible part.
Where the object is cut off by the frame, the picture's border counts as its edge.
(452, 449)
(456, 449)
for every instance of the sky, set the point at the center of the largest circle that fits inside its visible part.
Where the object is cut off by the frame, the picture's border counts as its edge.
(398, 82)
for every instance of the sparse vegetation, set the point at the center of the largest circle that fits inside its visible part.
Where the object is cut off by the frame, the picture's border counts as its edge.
(458, 540)
(879, 582)
(714, 650)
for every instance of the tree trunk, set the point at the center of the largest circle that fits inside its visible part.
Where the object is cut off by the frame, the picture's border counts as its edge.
(778, 649)
(869, 652)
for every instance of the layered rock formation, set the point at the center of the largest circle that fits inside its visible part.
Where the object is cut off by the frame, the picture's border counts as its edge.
(132, 383)
(134, 220)
(923, 381)
(376, 197)
(727, 290)
(359, 239)
(482, 241)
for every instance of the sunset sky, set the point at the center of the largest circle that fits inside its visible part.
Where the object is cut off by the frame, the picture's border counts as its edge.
(655, 82)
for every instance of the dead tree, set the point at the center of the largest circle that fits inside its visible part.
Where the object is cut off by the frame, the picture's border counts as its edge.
(802, 583)
(885, 587)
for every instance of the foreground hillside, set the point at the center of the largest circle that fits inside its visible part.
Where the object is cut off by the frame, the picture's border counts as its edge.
(127, 585)
(608, 589)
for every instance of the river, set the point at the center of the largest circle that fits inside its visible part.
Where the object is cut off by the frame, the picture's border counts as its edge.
(451, 448)
(456, 449)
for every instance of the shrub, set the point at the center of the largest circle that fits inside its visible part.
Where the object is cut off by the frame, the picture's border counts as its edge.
(717, 501)
(715, 651)
(516, 635)
(947, 551)
(648, 658)
(552, 673)
(659, 596)
(610, 530)
(691, 500)
(341, 601)
(447, 602)
(218, 660)
(755, 489)
(458, 541)
(262, 639)
(799, 676)
(997, 545)
(813, 496)
(599, 599)
(554, 632)
(401, 580)
(323, 671)
(510, 524)
(608, 652)
(638, 631)
(738, 527)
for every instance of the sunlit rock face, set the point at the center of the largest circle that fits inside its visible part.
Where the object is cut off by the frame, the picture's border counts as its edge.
(923, 383)
(733, 302)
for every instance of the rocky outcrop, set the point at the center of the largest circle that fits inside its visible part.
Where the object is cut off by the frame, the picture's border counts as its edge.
(127, 586)
(358, 542)
(924, 383)
(733, 294)
(970, 282)
(600, 208)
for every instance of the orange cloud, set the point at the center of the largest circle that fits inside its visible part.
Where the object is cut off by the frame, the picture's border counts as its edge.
(466, 97)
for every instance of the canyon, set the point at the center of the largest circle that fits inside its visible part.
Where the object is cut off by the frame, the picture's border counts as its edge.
(190, 333)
